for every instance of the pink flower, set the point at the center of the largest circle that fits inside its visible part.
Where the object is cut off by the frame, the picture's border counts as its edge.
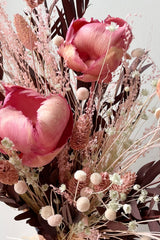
(38, 126)
(94, 48)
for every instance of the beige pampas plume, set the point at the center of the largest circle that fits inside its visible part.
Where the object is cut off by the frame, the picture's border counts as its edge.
(24, 32)
(34, 3)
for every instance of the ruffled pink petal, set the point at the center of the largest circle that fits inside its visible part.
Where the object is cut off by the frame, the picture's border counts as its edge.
(52, 119)
(106, 63)
(92, 39)
(34, 160)
(122, 36)
(92, 78)
(75, 26)
(25, 100)
(15, 126)
(72, 58)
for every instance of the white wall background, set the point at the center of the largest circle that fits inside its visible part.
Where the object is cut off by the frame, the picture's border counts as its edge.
(144, 18)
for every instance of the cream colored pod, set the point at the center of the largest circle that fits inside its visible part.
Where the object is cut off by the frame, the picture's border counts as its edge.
(20, 187)
(46, 212)
(82, 93)
(110, 214)
(55, 220)
(96, 178)
(80, 176)
(83, 204)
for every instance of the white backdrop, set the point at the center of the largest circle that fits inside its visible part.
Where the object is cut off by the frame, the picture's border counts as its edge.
(144, 18)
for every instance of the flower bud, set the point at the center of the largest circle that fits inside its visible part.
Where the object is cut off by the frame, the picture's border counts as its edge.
(83, 204)
(20, 187)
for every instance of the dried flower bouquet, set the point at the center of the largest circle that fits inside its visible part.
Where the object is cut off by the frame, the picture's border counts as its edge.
(72, 99)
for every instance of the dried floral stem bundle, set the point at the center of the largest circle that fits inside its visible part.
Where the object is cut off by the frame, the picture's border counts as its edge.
(73, 110)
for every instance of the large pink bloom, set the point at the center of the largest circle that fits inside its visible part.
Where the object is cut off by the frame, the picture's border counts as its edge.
(94, 48)
(38, 126)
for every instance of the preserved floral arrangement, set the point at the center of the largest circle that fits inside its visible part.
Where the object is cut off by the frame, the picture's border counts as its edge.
(72, 99)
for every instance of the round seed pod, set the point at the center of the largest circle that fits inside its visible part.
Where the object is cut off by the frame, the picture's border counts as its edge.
(110, 214)
(55, 220)
(46, 212)
(83, 204)
(96, 178)
(20, 187)
(82, 93)
(80, 176)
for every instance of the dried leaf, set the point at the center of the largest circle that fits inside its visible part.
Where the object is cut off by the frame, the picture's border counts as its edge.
(56, 29)
(154, 226)
(24, 215)
(86, 3)
(151, 174)
(80, 7)
(63, 23)
(116, 226)
(142, 171)
(135, 211)
(153, 191)
(69, 10)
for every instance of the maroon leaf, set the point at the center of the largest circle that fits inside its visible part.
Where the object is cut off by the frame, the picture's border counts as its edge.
(151, 204)
(142, 171)
(23, 215)
(135, 211)
(116, 226)
(63, 23)
(153, 191)
(69, 10)
(86, 3)
(80, 8)
(151, 174)
(46, 6)
(7, 200)
(154, 226)
(56, 29)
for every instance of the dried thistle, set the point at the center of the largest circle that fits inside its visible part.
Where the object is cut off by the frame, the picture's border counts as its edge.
(128, 180)
(8, 173)
(81, 133)
(24, 32)
(34, 3)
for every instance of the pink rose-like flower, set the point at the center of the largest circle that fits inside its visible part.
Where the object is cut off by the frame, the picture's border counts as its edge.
(94, 48)
(38, 126)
